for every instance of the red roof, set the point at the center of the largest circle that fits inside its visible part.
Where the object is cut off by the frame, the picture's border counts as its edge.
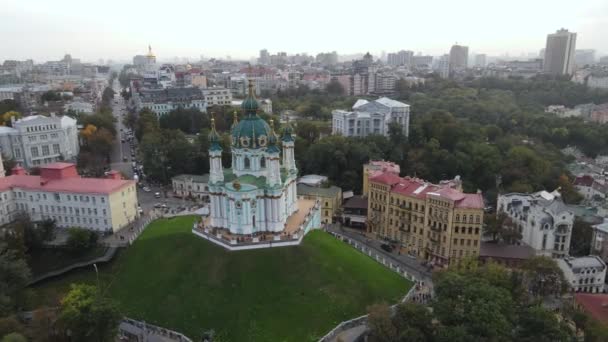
(58, 166)
(596, 305)
(585, 180)
(69, 184)
(418, 188)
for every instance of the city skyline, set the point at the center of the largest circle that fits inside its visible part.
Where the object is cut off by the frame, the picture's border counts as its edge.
(120, 30)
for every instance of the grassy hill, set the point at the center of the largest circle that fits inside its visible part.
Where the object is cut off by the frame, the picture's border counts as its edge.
(174, 279)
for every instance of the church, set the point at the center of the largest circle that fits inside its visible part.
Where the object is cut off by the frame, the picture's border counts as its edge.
(257, 195)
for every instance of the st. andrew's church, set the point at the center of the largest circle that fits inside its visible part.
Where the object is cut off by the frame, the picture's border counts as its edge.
(257, 195)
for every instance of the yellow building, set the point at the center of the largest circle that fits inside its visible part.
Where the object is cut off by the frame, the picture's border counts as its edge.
(330, 198)
(375, 167)
(436, 222)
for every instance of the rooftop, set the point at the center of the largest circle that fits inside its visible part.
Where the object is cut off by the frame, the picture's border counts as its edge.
(305, 189)
(595, 305)
(68, 184)
(584, 262)
(504, 251)
(418, 188)
(356, 202)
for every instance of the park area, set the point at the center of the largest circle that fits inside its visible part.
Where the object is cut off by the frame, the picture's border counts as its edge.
(174, 279)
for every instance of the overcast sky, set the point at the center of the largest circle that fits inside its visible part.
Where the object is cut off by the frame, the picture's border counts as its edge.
(119, 29)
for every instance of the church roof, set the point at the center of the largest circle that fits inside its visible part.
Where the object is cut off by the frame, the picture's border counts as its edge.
(252, 131)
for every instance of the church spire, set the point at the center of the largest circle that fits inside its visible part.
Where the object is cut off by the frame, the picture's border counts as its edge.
(214, 137)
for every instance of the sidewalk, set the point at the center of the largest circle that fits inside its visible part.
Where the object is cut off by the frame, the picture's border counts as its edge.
(129, 233)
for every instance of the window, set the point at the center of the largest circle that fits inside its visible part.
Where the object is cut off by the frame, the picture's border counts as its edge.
(56, 149)
(247, 163)
(45, 150)
(34, 151)
(263, 162)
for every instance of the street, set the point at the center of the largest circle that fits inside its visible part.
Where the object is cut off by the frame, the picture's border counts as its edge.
(120, 150)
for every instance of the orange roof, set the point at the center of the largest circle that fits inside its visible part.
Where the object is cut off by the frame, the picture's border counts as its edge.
(595, 304)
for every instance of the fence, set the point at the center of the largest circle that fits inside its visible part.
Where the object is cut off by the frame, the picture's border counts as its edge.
(362, 320)
(142, 330)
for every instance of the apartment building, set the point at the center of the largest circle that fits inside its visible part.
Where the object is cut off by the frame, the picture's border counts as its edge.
(59, 193)
(38, 140)
(436, 222)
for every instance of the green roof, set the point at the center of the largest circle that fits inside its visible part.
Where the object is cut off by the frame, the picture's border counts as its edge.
(307, 190)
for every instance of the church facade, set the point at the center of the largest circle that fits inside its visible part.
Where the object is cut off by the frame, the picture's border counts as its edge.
(258, 193)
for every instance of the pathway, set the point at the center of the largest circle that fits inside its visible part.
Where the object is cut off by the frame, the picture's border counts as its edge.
(109, 254)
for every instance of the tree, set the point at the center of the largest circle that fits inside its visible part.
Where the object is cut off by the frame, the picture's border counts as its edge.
(543, 277)
(6, 118)
(80, 240)
(9, 164)
(50, 96)
(14, 337)
(581, 239)
(14, 275)
(335, 88)
(413, 322)
(501, 227)
(380, 325)
(568, 191)
(89, 315)
(538, 324)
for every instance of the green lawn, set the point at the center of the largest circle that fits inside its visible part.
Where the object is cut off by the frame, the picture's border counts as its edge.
(174, 279)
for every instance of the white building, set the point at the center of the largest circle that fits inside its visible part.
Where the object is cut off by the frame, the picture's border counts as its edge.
(543, 219)
(59, 193)
(191, 186)
(599, 240)
(584, 274)
(37, 140)
(371, 118)
(79, 106)
(590, 188)
(217, 96)
(598, 81)
(163, 101)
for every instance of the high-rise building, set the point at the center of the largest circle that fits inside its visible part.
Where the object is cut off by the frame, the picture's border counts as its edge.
(559, 53)
(400, 58)
(584, 57)
(480, 60)
(459, 58)
(264, 57)
(443, 66)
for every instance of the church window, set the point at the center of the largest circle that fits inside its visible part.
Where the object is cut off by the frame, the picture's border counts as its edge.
(263, 162)
(247, 163)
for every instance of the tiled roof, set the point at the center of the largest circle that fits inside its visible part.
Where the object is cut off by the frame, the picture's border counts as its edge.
(418, 188)
(595, 305)
(585, 180)
(72, 184)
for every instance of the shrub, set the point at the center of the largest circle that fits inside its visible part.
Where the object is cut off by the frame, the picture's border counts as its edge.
(80, 240)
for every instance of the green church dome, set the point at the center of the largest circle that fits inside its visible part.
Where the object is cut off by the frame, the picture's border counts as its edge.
(252, 131)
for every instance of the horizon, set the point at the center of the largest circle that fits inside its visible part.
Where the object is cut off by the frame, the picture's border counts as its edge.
(118, 31)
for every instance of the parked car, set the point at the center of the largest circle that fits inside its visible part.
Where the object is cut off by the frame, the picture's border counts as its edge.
(387, 247)
(146, 189)
(157, 194)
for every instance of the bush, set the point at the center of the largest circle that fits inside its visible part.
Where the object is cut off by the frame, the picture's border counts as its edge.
(14, 337)
(80, 240)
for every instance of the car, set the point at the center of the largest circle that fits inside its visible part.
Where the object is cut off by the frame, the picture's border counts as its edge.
(146, 189)
(157, 194)
(140, 210)
(387, 247)
(157, 205)
(164, 206)
(122, 140)
(124, 159)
